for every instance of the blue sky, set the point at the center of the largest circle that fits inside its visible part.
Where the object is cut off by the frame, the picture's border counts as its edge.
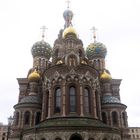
(118, 24)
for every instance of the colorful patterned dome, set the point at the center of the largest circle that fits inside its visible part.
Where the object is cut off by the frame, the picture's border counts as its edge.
(95, 50)
(68, 15)
(105, 76)
(34, 76)
(110, 99)
(69, 30)
(41, 48)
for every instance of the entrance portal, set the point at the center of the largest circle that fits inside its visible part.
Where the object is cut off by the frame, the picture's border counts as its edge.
(76, 137)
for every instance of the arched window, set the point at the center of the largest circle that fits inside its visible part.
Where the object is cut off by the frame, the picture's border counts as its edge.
(124, 119)
(104, 117)
(114, 118)
(43, 139)
(76, 137)
(37, 118)
(72, 99)
(57, 100)
(17, 118)
(27, 118)
(91, 139)
(86, 101)
(57, 139)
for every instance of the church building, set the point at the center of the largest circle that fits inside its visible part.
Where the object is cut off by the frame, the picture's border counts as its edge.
(68, 93)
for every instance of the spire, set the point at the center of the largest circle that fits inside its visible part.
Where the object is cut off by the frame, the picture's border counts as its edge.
(94, 33)
(68, 15)
(43, 28)
(68, 3)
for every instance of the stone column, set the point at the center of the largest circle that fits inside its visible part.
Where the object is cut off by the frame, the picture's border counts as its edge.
(94, 103)
(81, 100)
(50, 101)
(22, 119)
(43, 116)
(110, 118)
(64, 98)
(99, 106)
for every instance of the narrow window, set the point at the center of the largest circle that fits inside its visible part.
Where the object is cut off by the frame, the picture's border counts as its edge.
(72, 99)
(58, 100)
(27, 118)
(38, 118)
(124, 119)
(86, 101)
(17, 118)
(114, 118)
(104, 117)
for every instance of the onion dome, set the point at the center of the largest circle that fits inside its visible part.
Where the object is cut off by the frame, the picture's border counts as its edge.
(109, 99)
(69, 30)
(41, 48)
(34, 76)
(95, 50)
(105, 76)
(68, 15)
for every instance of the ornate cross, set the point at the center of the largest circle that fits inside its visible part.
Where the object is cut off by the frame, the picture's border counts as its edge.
(68, 3)
(94, 32)
(43, 28)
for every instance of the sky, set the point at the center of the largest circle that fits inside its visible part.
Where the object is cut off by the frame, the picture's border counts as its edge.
(118, 27)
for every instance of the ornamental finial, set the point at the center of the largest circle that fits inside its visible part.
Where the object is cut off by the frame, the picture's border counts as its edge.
(68, 3)
(94, 33)
(43, 28)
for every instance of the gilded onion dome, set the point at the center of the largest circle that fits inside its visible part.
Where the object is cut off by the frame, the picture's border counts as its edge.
(34, 76)
(95, 50)
(105, 76)
(41, 48)
(69, 30)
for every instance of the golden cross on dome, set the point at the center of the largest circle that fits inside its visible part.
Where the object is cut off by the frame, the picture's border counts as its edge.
(94, 33)
(43, 28)
(68, 3)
